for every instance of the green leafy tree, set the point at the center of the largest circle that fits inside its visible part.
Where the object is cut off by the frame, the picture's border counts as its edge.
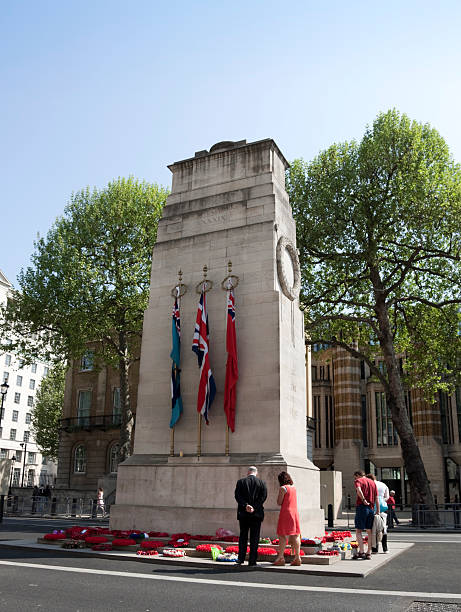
(89, 283)
(378, 229)
(47, 412)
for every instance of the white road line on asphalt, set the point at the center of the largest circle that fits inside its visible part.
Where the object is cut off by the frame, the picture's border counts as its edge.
(235, 583)
(426, 541)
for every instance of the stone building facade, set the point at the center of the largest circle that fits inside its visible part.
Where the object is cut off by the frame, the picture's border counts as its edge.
(353, 428)
(90, 425)
(17, 441)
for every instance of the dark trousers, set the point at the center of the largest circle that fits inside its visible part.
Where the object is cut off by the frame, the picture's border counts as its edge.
(252, 525)
(392, 517)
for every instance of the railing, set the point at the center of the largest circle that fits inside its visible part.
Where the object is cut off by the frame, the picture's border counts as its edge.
(419, 516)
(79, 507)
(102, 421)
(445, 516)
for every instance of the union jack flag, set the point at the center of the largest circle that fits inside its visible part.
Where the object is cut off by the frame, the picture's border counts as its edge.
(232, 372)
(207, 387)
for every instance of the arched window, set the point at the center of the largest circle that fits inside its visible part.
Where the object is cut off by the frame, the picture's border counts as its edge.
(113, 458)
(80, 459)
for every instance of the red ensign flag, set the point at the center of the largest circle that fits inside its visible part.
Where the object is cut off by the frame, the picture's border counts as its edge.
(232, 372)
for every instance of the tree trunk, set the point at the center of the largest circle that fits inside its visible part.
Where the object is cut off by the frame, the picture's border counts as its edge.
(126, 427)
(420, 491)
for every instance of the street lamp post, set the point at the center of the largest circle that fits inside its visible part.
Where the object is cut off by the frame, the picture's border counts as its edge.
(13, 461)
(24, 446)
(3, 390)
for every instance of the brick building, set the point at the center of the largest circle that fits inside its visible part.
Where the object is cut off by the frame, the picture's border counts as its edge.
(90, 427)
(354, 429)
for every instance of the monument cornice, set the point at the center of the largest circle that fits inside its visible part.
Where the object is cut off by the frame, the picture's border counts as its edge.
(201, 156)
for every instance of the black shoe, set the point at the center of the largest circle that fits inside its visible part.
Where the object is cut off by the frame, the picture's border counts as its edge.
(252, 565)
(239, 562)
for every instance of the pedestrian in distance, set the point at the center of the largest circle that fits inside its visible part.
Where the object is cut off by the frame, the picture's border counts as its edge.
(367, 495)
(100, 503)
(250, 495)
(35, 495)
(288, 523)
(391, 509)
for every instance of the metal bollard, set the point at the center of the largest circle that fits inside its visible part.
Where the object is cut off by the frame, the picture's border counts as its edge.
(330, 515)
(54, 502)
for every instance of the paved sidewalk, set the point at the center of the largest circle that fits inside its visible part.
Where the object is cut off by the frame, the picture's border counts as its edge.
(346, 568)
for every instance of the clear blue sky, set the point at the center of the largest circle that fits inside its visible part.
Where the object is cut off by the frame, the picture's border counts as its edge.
(92, 90)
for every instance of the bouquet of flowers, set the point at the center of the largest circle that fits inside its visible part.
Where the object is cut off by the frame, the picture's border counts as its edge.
(54, 536)
(158, 534)
(151, 545)
(235, 549)
(173, 552)
(265, 541)
(148, 553)
(107, 546)
(207, 547)
(328, 553)
(123, 542)
(227, 557)
(96, 539)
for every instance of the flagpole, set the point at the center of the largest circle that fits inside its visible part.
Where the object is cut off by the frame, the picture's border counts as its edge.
(178, 297)
(229, 285)
(199, 434)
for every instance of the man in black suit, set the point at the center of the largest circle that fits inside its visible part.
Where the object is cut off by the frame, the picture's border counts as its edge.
(250, 494)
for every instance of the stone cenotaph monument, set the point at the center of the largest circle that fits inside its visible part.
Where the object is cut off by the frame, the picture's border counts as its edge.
(226, 204)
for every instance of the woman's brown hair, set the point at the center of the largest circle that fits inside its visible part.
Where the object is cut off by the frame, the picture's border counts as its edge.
(284, 479)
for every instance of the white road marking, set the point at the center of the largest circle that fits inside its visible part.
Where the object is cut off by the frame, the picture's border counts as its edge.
(235, 583)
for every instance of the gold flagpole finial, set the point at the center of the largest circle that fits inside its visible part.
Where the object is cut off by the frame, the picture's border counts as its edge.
(180, 275)
(229, 267)
(205, 272)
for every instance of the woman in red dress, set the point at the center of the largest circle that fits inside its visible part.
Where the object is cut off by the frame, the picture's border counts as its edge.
(288, 524)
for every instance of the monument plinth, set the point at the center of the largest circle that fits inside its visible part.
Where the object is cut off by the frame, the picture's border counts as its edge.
(226, 204)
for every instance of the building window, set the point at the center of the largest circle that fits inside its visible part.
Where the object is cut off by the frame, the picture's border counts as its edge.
(12, 434)
(318, 436)
(1, 432)
(314, 372)
(16, 476)
(33, 368)
(362, 369)
(6, 376)
(18, 455)
(113, 458)
(329, 422)
(31, 383)
(83, 409)
(116, 409)
(28, 417)
(17, 398)
(46, 369)
(30, 400)
(86, 363)
(44, 460)
(7, 360)
(80, 459)
(21, 363)
(31, 457)
(19, 381)
(363, 401)
(26, 436)
(15, 416)
(30, 478)
(385, 433)
(3, 452)
(445, 418)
